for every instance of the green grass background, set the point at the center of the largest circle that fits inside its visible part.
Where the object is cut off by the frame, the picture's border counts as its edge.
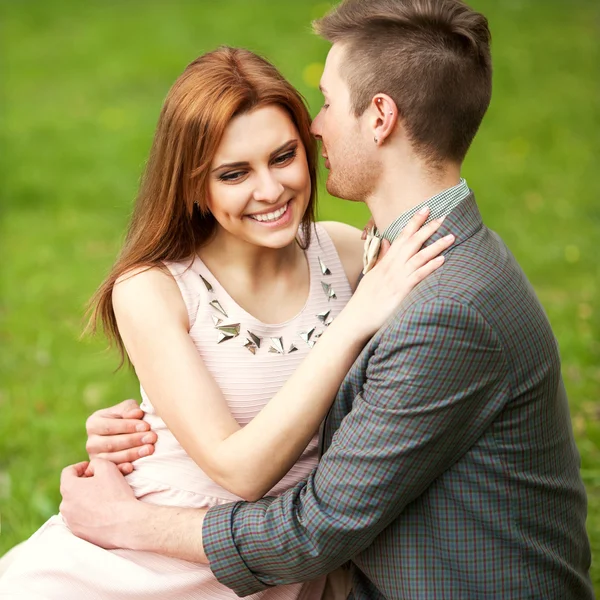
(82, 86)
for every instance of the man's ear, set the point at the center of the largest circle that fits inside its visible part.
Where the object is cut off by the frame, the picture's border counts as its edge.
(384, 116)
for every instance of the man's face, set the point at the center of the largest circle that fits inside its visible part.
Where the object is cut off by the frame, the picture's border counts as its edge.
(347, 145)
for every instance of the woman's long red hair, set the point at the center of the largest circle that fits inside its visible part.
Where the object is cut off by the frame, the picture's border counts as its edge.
(167, 224)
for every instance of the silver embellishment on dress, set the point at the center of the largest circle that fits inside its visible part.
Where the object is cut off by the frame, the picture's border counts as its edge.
(328, 322)
(232, 330)
(216, 320)
(323, 316)
(324, 269)
(276, 346)
(251, 346)
(329, 291)
(207, 284)
(315, 339)
(217, 305)
(254, 338)
(306, 335)
(223, 337)
(292, 349)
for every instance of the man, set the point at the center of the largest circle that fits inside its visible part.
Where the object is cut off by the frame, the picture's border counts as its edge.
(449, 466)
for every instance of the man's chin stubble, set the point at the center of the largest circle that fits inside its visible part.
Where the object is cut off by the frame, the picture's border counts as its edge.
(344, 192)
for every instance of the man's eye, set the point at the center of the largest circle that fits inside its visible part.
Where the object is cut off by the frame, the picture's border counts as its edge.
(325, 106)
(231, 176)
(285, 157)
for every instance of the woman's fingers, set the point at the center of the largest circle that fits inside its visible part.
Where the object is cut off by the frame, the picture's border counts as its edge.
(430, 252)
(368, 227)
(125, 417)
(126, 456)
(383, 249)
(425, 270)
(421, 236)
(102, 424)
(97, 444)
(408, 246)
(413, 244)
(415, 223)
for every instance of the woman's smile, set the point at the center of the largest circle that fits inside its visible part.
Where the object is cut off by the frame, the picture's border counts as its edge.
(275, 218)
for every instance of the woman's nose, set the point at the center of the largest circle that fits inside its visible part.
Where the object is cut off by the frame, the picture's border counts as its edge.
(268, 188)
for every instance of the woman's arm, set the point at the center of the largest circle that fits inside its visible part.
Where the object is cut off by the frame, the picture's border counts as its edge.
(118, 434)
(248, 461)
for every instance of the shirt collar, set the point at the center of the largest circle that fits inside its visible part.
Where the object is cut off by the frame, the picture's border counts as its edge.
(440, 205)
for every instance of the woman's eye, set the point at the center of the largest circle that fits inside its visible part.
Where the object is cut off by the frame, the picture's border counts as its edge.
(280, 160)
(232, 176)
(325, 106)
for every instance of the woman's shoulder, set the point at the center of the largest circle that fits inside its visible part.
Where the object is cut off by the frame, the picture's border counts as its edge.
(146, 292)
(349, 247)
(142, 279)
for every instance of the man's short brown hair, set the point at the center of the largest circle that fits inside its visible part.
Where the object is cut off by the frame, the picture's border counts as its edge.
(432, 57)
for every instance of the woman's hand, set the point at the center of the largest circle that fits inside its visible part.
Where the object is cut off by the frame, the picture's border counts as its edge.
(118, 434)
(368, 227)
(403, 266)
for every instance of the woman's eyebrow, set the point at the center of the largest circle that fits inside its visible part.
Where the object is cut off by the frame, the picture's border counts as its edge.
(237, 165)
(288, 144)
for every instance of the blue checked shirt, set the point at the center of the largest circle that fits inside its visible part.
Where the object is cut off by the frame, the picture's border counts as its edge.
(450, 469)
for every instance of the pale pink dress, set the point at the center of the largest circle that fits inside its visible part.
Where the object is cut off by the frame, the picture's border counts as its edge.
(56, 565)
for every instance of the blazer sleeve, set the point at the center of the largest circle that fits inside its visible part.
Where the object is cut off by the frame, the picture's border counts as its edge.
(435, 382)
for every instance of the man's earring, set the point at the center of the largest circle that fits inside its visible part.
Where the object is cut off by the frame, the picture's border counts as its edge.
(376, 140)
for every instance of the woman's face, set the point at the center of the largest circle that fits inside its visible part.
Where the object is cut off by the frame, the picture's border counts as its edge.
(259, 184)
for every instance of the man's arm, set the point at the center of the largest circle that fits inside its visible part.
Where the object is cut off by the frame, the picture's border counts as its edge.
(435, 382)
(100, 507)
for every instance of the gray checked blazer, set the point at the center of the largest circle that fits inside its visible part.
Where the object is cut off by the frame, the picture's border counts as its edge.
(450, 469)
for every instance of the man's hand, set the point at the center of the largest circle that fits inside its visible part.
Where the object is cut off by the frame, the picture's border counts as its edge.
(119, 435)
(102, 509)
(98, 507)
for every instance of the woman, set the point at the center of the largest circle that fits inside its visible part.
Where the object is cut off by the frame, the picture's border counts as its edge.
(223, 287)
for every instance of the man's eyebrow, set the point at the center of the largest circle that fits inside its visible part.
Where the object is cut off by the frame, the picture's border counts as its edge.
(237, 165)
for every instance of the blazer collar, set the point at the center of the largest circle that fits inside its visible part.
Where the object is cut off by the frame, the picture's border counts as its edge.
(463, 222)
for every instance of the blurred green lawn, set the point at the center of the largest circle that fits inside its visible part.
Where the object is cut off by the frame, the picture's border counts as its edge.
(83, 83)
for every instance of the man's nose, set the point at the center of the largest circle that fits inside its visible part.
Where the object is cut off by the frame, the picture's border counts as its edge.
(268, 187)
(315, 126)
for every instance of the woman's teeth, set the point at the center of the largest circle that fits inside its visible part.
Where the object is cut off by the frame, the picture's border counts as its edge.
(273, 216)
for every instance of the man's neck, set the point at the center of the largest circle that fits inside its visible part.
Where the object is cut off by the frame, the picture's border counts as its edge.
(399, 190)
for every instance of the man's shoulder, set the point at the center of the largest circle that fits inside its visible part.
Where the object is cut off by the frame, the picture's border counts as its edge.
(480, 290)
(477, 270)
